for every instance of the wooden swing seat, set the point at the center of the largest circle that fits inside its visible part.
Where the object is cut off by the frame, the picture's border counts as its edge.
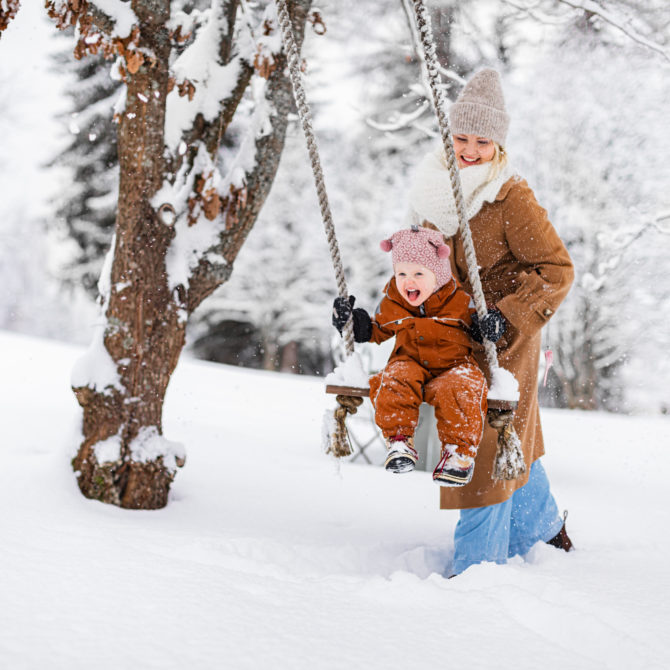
(357, 392)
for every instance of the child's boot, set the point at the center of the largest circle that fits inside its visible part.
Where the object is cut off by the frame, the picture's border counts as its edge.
(454, 469)
(401, 456)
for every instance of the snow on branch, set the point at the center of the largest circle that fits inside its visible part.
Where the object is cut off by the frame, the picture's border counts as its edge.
(533, 10)
(107, 27)
(662, 219)
(8, 9)
(200, 84)
(96, 369)
(112, 17)
(616, 246)
(182, 26)
(208, 204)
(398, 120)
(617, 22)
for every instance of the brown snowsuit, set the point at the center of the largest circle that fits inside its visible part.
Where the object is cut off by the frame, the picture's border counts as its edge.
(432, 361)
(526, 272)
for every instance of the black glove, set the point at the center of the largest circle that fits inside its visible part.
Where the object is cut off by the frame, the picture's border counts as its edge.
(343, 309)
(492, 326)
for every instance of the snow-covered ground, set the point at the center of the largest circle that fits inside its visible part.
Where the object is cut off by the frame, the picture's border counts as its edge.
(269, 555)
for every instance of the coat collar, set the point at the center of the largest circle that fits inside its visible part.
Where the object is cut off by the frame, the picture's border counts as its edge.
(505, 188)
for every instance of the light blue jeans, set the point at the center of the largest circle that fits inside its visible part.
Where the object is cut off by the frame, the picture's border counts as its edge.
(498, 532)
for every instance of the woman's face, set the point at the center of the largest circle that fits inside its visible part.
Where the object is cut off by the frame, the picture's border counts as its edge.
(473, 150)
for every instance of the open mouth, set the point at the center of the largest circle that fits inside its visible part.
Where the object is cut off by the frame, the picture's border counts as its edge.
(413, 294)
(469, 161)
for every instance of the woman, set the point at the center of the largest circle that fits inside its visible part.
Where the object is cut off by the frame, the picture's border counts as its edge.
(525, 272)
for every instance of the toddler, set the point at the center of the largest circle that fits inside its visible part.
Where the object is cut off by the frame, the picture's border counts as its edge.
(434, 322)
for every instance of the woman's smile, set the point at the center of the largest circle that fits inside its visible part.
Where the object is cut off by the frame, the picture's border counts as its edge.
(473, 150)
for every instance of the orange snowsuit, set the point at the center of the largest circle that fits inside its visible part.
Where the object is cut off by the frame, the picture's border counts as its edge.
(432, 362)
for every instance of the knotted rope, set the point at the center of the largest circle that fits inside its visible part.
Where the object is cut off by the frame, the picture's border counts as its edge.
(509, 462)
(338, 443)
(338, 440)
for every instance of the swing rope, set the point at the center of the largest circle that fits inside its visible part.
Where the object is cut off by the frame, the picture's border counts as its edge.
(338, 441)
(509, 462)
(434, 80)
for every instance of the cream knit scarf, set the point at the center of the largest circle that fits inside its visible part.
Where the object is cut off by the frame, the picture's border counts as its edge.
(432, 199)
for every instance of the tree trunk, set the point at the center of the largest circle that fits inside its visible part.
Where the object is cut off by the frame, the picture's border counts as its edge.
(289, 358)
(144, 321)
(143, 335)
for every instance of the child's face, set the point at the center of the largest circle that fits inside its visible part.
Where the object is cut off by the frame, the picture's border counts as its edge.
(415, 282)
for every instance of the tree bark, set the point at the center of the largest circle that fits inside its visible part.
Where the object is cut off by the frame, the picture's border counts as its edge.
(144, 324)
(143, 334)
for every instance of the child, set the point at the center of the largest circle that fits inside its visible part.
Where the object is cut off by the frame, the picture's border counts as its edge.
(434, 322)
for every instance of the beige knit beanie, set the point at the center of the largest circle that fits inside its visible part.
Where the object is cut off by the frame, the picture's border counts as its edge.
(480, 108)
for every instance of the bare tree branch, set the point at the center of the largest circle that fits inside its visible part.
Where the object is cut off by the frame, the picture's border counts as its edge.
(209, 274)
(532, 7)
(611, 19)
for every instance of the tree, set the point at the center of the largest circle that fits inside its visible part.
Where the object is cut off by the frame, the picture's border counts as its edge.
(591, 154)
(200, 136)
(88, 205)
(282, 284)
(8, 9)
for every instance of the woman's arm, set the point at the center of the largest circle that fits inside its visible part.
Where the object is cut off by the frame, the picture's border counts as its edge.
(547, 269)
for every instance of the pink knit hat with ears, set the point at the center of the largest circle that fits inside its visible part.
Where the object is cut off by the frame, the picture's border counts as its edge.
(423, 246)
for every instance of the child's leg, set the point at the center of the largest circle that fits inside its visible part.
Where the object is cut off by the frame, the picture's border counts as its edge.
(459, 398)
(396, 394)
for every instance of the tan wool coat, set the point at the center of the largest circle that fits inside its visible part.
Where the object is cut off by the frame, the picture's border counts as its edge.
(526, 272)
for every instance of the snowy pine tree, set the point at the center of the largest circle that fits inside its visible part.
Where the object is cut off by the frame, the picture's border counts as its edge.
(87, 208)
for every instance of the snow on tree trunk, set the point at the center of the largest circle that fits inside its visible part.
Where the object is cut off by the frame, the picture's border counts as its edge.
(143, 333)
(180, 222)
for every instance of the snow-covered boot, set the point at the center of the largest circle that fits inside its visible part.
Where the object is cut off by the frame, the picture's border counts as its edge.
(561, 539)
(402, 455)
(454, 469)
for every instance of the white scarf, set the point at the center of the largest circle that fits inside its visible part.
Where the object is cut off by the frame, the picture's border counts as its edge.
(431, 196)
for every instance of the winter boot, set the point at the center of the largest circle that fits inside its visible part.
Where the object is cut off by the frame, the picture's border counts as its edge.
(401, 456)
(561, 539)
(454, 469)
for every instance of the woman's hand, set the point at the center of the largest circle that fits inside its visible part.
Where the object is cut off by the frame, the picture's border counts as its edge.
(492, 326)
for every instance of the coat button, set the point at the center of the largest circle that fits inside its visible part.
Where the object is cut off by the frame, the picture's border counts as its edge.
(421, 337)
(425, 363)
(547, 312)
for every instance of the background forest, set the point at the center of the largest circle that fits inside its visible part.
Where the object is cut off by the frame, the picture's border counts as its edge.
(588, 91)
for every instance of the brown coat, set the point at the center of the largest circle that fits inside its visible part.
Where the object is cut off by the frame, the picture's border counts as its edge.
(526, 272)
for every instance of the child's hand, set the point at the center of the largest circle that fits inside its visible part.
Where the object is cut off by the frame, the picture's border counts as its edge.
(492, 326)
(344, 308)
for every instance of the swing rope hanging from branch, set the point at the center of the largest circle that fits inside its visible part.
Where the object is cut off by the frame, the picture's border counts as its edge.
(338, 442)
(509, 461)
